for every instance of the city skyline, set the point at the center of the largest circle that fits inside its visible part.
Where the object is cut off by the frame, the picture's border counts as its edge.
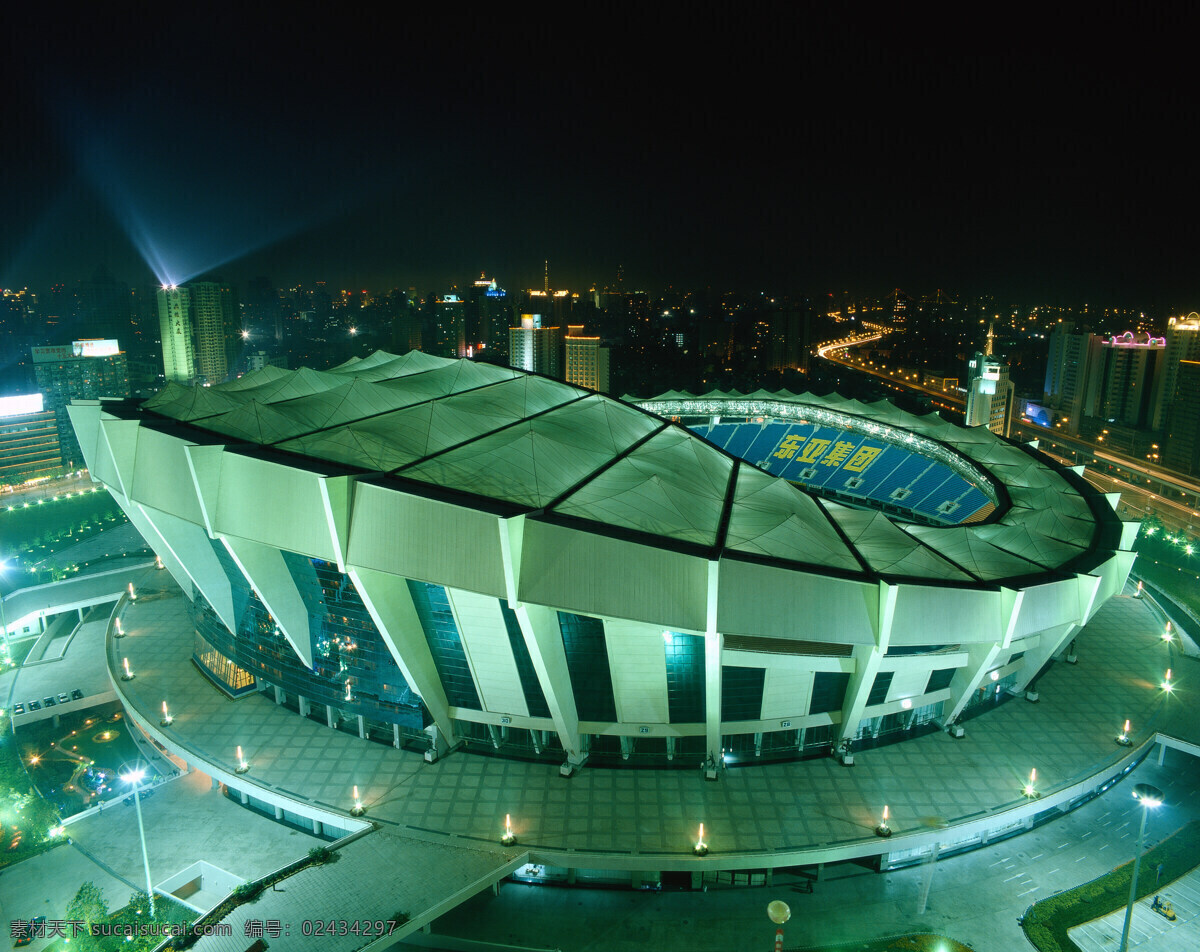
(791, 153)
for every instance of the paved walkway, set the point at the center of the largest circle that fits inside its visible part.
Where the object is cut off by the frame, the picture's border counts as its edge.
(1149, 931)
(975, 897)
(802, 805)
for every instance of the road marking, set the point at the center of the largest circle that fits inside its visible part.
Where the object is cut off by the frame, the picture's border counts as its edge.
(1087, 834)
(1081, 859)
(1104, 847)
(1039, 856)
(1011, 878)
(1064, 846)
(1027, 892)
(1052, 872)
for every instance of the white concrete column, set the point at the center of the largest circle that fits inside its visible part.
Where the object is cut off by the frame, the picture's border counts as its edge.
(867, 660)
(268, 575)
(543, 638)
(390, 605)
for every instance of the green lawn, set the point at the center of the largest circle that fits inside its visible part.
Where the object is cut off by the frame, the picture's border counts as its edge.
(25, 818)
(35, 530)
(1048, 921)
(918, 942)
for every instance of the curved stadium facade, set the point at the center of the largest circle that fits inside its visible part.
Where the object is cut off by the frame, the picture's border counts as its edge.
(436, 552)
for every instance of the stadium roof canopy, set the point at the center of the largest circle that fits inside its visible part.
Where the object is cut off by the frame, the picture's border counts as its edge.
(513, 442)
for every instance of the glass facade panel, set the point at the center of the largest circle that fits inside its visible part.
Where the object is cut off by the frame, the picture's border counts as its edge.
(939, 679)
(879, 687)
(352, 668)
(829, 691)
(685, 677)
(229, 677)
(741, 693)
(441, 631)
(532, 688)
(587, 663)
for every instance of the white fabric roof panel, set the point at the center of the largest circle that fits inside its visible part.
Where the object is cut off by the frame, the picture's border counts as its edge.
(537, 443)
(674, 485)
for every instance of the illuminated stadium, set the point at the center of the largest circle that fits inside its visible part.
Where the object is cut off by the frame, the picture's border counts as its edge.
(440, 554)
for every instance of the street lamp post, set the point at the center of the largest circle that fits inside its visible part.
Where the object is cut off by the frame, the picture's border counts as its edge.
(134, 777)
(1149, 797)
(3, 617)
(779, 913)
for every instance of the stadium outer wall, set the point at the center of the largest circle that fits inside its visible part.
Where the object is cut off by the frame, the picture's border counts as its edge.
(560, 638)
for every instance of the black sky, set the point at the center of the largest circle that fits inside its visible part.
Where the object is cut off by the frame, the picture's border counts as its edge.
(787, 151)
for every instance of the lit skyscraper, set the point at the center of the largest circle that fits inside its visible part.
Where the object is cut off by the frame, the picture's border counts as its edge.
(1182, 343)
(587, 361)
(178, 338)
(989, 391)
(215, 321)
(536, 348)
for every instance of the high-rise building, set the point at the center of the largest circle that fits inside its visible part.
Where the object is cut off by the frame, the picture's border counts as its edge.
(1120, 386)
(536, 348)
(1182, 343)
(989, 391)
(178, 338)
(1182, 450)
(28, 440)
(216, 324)
(1067, 370)
(450, 328)
(82, 370)
(586, 360)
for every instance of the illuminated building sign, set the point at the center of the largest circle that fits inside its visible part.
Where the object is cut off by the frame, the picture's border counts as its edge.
(79, 348)
(95, 348)
(19, 405)
(1129, 340)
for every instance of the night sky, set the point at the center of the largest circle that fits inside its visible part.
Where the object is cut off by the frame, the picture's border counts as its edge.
(782, 152)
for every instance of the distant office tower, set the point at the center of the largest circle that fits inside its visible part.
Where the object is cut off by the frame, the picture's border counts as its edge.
(489, 317)
(178, 338)
(536, 348)
(449, 326)
(1067, 370)
(216, 325)
(1182, 343)
(83, 370)
(586, 360)
(259, 359)
(1121, 383)
(1182, 450)
(989, 391)
(28, 440)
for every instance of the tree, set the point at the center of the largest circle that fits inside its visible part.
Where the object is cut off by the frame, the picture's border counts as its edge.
(89, 907)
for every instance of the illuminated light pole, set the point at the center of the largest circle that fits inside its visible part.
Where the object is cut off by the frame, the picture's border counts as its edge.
(132, 593)
(167, 719)
(358, 809)
(1123, 737)
(3, 617)
(508, 837)
(701, 847)
(1149, 797)
(134, 777)
(779, 913)
(1166, 635)
(118, 631)
(1166, 683)
(883, 829)
(1030, 790)
(128, 675)
(242, 766)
